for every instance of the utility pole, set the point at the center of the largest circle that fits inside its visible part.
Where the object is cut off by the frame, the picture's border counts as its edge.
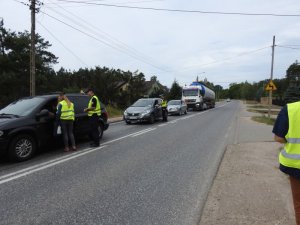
(32, 49)
(272, 65)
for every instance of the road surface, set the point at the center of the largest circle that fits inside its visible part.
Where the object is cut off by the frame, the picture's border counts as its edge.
(141, 174)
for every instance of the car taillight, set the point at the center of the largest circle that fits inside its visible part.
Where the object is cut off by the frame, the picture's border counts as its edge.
(105, 114)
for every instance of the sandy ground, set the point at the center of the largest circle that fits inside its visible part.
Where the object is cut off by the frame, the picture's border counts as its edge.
(249, 188)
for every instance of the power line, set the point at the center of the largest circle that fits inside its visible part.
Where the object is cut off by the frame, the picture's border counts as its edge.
(286, 46)
(226, 59)
(102, 41)
(69, 50)
(182, 10)
(112, 40)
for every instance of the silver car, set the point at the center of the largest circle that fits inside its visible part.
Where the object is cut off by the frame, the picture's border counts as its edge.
(177, 107)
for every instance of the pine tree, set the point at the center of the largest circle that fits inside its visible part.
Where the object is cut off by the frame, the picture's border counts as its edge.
(292, 93)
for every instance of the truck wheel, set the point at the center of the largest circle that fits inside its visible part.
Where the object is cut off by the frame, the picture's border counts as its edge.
(22, 147)
(185, 112)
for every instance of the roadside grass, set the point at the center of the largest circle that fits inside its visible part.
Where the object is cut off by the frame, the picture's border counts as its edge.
(264, 119)
(263, 111)
(113, 112)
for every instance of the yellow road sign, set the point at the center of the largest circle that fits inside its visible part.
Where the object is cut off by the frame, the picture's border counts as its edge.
(270, 86)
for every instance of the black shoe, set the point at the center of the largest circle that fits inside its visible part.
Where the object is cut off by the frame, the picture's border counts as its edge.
(93, 145)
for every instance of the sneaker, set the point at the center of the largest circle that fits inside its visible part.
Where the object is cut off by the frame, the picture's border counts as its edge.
(67, 149)
(74, 149)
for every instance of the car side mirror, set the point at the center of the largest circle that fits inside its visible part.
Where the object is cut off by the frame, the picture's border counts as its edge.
(43, 113)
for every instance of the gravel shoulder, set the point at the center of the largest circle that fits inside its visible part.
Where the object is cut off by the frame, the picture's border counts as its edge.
(249, 188)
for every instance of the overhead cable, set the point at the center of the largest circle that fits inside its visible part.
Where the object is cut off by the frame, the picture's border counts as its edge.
(104, 35)
(182, 10)
(69, 50)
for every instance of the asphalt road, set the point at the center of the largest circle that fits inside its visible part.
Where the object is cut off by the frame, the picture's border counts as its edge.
(141, 174)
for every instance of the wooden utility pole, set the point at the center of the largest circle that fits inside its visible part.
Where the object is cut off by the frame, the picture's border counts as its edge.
(272, 65)
(32, 49)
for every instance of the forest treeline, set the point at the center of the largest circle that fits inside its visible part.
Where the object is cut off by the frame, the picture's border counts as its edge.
(113, 86)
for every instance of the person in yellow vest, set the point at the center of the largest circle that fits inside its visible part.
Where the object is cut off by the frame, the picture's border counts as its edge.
(65, 114)
(164, 109)
(94, 111)
(287, 132)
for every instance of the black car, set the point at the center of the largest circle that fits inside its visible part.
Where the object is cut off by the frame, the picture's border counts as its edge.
(144, 109)
(26, 124)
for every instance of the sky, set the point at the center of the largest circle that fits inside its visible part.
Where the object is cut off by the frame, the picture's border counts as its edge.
(172, 45)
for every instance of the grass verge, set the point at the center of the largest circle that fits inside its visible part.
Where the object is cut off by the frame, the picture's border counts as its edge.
(113, 112)
(264, 119)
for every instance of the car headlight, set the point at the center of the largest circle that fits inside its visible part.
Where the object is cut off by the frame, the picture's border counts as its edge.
(1, 133)
(125, 112)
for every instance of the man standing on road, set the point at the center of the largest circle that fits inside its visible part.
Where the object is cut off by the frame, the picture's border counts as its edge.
(287, 131)
(94, 111)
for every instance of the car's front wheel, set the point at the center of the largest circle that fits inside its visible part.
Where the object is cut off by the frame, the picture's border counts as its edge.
(151, 119)
(22, 147)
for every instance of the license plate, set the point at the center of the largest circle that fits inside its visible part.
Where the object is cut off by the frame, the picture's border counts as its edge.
(133, 117)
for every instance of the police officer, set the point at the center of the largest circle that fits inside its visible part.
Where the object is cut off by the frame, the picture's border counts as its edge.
(94, 111)
(287, 131)
(164, 105)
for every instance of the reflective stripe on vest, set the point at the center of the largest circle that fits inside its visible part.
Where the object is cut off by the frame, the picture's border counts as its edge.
(290, 155)
(97, 109)
(67, 113)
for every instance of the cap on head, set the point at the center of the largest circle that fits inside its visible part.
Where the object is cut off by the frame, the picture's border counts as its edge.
(88, 90)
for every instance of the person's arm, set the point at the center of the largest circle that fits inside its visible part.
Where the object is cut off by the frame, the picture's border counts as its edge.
(58, 112)
(279, 139)
(281, 126)
(93, 107)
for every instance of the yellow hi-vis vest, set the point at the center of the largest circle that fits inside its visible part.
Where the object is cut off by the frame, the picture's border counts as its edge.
(97, 110)
(67, 113)
(164, 103)
(290, 155)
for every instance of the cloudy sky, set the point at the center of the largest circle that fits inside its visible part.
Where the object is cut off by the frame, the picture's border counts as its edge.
(183, 44)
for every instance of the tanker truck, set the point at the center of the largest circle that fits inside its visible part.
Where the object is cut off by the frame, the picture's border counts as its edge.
(198, 97)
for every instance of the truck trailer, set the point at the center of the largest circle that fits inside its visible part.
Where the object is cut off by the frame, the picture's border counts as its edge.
(198, 97)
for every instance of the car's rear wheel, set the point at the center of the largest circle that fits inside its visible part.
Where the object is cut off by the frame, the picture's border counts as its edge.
(22, 147)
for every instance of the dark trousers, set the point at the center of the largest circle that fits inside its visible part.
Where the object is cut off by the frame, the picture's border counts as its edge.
(295, 185)
(67, 131)
(94, 132)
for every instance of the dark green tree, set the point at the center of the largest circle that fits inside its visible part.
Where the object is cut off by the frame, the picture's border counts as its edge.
(292, 93)
(175, 91)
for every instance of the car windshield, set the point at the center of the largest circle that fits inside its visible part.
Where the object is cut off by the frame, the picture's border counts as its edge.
(22, 107)
(174, 102)
(143, 103)
(190, 92)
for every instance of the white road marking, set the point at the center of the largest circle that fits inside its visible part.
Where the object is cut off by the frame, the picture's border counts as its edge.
(16, 175)
(145, 131)
(24, 172)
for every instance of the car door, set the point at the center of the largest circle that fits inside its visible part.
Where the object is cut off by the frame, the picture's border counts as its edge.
(45, 124)
(158, 109)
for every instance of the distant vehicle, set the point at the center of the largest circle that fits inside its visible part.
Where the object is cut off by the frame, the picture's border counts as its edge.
(177, 107)
(26, 125)
(198, 97)
(144, 109)
(228, 100)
